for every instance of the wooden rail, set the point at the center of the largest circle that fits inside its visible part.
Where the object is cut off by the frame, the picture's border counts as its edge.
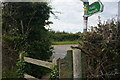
(29, 77)
(46, 64)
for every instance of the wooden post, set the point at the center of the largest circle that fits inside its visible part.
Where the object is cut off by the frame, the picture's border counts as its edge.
(77, 66)
(55, 61)
(83, 65)
(21, 55)
(66, 66)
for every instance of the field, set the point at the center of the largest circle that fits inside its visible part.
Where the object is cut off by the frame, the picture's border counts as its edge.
(64, 43)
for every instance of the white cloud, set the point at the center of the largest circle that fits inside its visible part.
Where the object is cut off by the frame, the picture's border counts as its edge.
(71, 19)
(61, 26)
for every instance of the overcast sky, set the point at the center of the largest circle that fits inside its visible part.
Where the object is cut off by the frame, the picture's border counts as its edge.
(71, 17)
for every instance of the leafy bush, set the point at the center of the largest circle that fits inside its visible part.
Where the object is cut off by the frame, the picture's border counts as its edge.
(63, 36)
(102, 49)
(54, 74)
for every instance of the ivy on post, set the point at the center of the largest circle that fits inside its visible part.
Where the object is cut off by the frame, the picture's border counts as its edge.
(21, 65)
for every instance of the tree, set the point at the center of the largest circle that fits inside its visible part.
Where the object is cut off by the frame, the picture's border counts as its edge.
(23, 30)
(63, 36)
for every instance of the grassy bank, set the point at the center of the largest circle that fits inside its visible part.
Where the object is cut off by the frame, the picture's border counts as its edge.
(64, 43)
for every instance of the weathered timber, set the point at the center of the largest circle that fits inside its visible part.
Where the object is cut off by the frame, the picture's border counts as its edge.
(29, 77)
(55, 60)
(77, 66)
(46, 64)
(66, 66)
(83, 64)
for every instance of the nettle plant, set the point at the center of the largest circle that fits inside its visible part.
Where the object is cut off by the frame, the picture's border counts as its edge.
(102, 48)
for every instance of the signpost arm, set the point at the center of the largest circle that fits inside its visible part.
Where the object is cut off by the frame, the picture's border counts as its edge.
(88, 11)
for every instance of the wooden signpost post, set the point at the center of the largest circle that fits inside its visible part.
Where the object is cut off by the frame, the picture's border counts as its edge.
(89, 10)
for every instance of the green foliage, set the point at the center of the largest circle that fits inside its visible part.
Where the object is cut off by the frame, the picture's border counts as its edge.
(21, 68)
(63, 36)
(64, 43)
(23, 30)
(10, 74)
(54, 74)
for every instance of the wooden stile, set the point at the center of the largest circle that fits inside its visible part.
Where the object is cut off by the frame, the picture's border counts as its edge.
(70, 66)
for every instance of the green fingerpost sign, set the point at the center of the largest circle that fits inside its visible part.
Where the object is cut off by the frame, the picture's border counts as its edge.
(94, 8)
